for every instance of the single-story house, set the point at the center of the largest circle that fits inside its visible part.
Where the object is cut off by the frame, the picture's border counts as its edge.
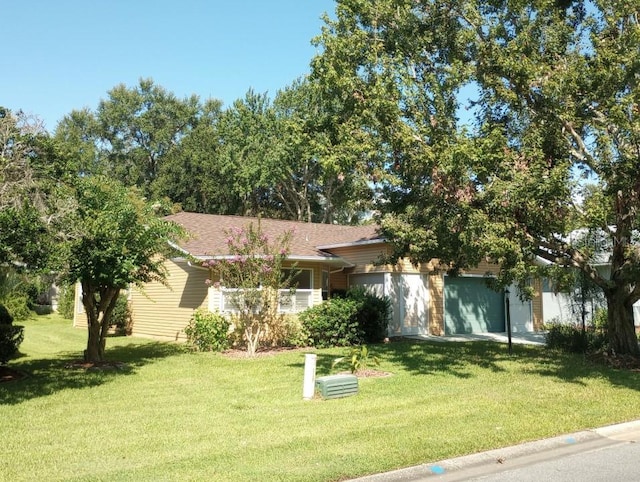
(330, 258)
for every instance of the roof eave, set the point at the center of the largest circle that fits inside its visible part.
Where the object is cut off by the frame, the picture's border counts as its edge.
(352, 244)
(330, 260)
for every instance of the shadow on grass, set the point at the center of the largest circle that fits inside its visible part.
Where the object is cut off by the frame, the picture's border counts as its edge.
(47, 376)
(454, 358)
(426, 358)
(459, 359)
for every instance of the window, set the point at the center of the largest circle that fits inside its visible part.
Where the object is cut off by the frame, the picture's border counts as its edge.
(301, 280)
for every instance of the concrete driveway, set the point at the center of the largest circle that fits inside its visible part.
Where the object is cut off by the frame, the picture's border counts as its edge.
(516, 338)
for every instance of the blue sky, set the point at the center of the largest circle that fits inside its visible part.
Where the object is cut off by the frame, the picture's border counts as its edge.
(66, 54)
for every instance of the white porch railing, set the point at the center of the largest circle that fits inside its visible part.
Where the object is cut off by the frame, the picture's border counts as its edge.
(296, 302)
(287, 302)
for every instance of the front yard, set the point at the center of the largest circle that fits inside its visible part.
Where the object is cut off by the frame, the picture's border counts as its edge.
(173, 415)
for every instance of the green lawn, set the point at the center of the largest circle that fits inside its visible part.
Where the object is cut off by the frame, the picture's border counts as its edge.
(173, 415)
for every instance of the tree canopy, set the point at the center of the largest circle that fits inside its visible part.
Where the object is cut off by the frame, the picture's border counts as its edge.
(24, 210)
(500, 129)
(257, 156)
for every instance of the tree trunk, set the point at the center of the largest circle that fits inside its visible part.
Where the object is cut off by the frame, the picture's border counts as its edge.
(95, 350)
(98, 319)
(622, 334)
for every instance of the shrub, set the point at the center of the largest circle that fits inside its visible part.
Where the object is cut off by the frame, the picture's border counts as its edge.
(208, 331)
(16, 290)
(10, 336)
(121, 315)
(570, 338)
(5, 316)
(285, 330)
(600, 320)
(373, 314)
(333, 323)
(66, 300)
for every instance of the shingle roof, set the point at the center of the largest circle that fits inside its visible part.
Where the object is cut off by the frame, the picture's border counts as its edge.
(209, 232)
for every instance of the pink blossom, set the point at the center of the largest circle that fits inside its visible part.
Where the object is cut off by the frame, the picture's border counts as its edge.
(216, 285)
(207, 282)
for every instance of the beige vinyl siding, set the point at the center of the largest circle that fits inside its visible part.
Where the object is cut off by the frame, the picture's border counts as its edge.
(436, 304)
(365, 258)
(338, 281)
(536, 304)
(162, 312)
(362, 256)
(482, 269)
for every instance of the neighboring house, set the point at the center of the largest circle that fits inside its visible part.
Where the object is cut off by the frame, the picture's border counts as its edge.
(582, 303)
(570, 308)
(331, 258)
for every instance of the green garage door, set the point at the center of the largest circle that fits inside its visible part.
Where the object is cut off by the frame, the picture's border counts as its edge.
(470, 306)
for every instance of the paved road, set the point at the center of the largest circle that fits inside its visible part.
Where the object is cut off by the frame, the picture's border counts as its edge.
(606, 454)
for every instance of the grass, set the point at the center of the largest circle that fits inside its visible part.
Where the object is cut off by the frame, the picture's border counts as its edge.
(173, 415)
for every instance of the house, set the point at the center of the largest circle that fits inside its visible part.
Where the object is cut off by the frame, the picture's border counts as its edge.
(330, 258)
(582, 301)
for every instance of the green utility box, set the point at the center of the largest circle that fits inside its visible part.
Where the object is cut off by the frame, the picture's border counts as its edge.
(336, 386)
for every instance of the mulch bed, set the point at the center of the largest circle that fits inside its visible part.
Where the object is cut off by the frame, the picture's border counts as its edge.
(621, 362)
(102, 366)
(261, 352)
(368, 373)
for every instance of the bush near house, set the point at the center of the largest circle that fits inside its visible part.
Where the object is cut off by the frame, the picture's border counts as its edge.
(332, 323)
(281, 330)
(208, 331)
(360, 317)
(373, 314)
(572, 338)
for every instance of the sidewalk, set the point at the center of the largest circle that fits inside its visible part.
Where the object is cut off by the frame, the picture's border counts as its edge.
(508, 458)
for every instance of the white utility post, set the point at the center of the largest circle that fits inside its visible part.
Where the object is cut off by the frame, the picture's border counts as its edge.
(309, 384)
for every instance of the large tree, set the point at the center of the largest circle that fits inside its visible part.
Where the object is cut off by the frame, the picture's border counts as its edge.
(503, 127)
(194, 175)
(114, 241)
(25, 210)
(320, 176)
(130, 134)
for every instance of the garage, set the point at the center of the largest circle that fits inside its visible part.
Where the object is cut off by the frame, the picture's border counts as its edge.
(409, 294)
(470, 306)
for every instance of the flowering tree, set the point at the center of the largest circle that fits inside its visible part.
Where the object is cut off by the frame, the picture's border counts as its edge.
(252, 274)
